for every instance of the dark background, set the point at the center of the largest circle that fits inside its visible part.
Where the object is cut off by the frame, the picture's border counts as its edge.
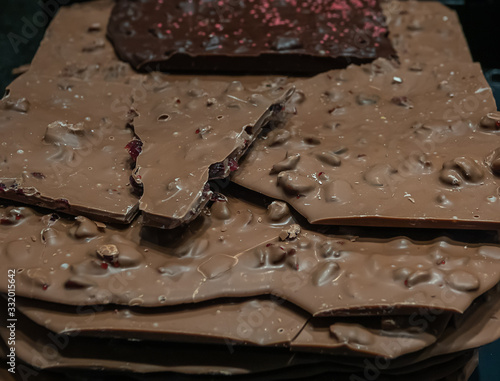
(480, 20)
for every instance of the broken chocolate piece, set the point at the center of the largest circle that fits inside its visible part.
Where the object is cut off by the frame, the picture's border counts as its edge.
(196, 143)
(65, 151)
(220, 35)
(390, 151)
(205, 260)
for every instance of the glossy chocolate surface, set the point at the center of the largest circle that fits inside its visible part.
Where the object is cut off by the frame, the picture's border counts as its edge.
(63, 146)
(384, 145)
(258, 321)
(239, 250)
(280, 36)
(194, 293)
(190, 132)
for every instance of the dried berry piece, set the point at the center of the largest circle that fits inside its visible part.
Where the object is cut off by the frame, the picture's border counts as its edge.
(134, 148)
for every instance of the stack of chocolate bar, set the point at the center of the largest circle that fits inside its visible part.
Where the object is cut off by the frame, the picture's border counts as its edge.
(191, 212)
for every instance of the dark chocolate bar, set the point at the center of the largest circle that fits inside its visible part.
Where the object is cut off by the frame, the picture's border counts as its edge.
(273, 36)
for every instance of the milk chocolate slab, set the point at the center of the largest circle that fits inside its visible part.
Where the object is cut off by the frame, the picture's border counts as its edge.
(75, 46)
(148, 357)
(398, 336)
(480, 326)
(192, 132)
(240, 250)
(254, 321)
(237, 36)
(424, 32)
(258, 322)
(63, 147)
(386, 337)
(385, 146)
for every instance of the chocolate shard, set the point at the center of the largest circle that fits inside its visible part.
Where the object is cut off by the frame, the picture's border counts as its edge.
(220, 36)
(89, 56)
(437, 38)
(66, 151)
(233, 321)
(204, 261)
(371, 336)
(389, 151)
(193, 132)
(144, 357)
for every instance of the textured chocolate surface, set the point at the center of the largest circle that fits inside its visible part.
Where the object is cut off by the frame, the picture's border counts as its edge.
(148, 357)
(378, 145)
(63, 146)
(385, 337)
(73, 159)
(424, 32)
(240, 250)
(255, 321)
(193, 131)
(266, 322)
(248, 36)
(75, 46)
(224, 252)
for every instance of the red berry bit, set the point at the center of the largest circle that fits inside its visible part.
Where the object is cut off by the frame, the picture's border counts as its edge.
(134, 148)
(233, 165)
(45, 286)
(104, 265)
(11, 218)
